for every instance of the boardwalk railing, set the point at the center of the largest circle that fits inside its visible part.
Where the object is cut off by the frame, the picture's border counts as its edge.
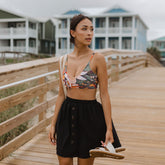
(44, 72)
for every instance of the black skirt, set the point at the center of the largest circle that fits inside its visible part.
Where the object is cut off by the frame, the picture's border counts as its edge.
(80, 127)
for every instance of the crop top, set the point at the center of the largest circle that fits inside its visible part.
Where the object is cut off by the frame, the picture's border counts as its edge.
(87, 78)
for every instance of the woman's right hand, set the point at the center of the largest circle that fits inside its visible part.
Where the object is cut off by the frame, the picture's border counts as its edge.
(52, 138)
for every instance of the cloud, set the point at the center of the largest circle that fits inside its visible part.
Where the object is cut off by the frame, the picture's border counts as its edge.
(151, 11)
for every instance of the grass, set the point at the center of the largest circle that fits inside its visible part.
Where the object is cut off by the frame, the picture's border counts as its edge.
(28, 57)
(13, 111)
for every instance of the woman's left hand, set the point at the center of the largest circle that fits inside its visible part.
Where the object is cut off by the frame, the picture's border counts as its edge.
(109, 137)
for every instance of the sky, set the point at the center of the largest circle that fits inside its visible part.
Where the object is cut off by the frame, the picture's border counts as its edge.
(152, 12)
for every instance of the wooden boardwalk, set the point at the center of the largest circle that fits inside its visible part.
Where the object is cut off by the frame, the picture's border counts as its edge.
(138, 109)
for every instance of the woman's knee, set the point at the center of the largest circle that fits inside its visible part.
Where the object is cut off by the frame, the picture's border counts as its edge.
(65, 160)
(88, 161)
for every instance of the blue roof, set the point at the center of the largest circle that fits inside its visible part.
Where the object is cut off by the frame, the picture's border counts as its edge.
(117, 10)
(160, 39)
(72, 12)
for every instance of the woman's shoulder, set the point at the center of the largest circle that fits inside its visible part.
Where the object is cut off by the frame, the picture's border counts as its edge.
(99, 57)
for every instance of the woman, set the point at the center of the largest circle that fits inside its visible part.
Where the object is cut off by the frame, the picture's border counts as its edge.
(80, 121)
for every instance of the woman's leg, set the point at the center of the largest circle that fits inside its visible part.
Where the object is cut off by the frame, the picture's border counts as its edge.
(88, 161)
(65, 160)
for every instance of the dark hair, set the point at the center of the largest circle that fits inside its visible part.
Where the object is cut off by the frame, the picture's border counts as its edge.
(74, 21)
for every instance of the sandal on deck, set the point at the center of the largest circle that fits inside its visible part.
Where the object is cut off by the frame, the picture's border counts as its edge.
(106, 151)
(119, 149)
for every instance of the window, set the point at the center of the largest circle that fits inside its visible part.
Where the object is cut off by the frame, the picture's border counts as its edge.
(32, 43)
(100, 43)
(114, 43)
(46, 44)
(100, 22)
(32, 25)
(20, 24)
(64, 23)
(127, 22)
(62, 43)
(114, 22)
(126, 43)
(19, 43)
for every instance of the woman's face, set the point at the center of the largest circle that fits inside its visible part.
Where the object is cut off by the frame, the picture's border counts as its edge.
(84, 32)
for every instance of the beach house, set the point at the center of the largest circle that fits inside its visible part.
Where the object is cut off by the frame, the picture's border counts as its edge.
(19, 33)
(115, 28)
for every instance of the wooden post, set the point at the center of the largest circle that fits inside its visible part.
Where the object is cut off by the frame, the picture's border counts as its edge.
(17, 57)
(117, 68)
(41, 99)
(4, 58)
(109, 67)
(146, 61)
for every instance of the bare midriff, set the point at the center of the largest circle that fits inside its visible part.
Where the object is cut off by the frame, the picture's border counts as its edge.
(82, 94)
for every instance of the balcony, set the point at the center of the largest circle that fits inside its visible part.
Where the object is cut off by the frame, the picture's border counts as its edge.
(6, 33)
(127, 30)
(32, 50)
(113, 30)
(4, 48)
(18, 49)
(100, 30)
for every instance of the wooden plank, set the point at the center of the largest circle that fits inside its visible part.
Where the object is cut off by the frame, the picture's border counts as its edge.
(15, 121)
(130, 66)
(23, 138)
(27, 94)
(27, 65)
(42, 98)
(15, 161)
(24, 73)
(133, 59)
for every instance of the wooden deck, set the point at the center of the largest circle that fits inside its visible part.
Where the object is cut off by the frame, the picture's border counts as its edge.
(138, 109)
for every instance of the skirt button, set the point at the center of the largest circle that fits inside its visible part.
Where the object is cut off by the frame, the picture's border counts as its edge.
(73, 108)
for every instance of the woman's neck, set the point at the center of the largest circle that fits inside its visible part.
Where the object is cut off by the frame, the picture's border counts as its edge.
(78, 51)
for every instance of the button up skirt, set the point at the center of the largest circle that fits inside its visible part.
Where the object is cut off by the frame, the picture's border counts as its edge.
(80, 127)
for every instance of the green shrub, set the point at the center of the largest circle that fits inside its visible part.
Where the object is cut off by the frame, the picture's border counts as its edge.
(13, 111)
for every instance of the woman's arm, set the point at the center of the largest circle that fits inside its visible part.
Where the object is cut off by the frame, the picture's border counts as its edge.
(59, 101)
(104, 95)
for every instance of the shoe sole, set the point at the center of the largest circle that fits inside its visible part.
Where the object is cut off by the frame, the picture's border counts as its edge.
(105, 154)
(120, 149)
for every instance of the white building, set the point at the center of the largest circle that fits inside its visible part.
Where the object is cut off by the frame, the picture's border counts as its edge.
(19, 33)
(114, 28)
(159, 43)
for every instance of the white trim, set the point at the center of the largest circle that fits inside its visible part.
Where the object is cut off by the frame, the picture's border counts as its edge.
(68, 36)
(13, 20)
(18, 14)
(27, 35)
(37, 41)
(93, 40)
(43, 32)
